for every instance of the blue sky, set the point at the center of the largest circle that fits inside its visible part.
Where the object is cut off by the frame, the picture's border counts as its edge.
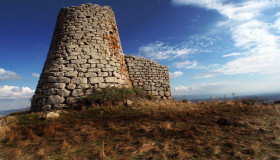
(210, 46)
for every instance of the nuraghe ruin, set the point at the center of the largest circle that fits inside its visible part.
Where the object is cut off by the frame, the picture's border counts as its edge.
(86, 52)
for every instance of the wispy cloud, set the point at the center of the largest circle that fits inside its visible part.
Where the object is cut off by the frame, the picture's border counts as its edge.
(185, 64)
(205, 75)
(8, 75)
(176, 74)
(231, 54)
(249, 33)
(36, 75)
(162, 51)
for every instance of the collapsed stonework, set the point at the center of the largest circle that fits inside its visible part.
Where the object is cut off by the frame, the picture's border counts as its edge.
(86, 52)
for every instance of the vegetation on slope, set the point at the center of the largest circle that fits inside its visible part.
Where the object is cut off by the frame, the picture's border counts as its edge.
(147, 130)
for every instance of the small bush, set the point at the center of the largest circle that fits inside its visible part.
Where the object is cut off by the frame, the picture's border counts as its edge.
(113, 96)
(184, 100)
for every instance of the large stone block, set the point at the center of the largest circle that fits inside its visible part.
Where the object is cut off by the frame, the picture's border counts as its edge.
(110, 79)
(63, 92)
(79, 80)
(77, 93)
(55, 99)
(71, 86)
(63, 80)
(59, 85)
(90, 74)
(96, 80)
(71, 74)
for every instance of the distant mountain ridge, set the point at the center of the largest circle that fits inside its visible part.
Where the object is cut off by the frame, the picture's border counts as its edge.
(265, 98)
(6, 112)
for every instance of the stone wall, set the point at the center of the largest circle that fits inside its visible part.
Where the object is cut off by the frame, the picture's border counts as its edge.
(86, 53)
(149, 75)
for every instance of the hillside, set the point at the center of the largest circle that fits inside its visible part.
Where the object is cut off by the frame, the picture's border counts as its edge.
(238, 129)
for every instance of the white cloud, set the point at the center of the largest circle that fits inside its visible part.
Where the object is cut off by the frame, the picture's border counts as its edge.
(276, 24)
(185, 64)
(231, 54)
(205, 75)
(14, 92)
(8, 75)
(242, 11)
(36, 75)
(249, 33)
(176, 74)
(13, 97)
(210, 4)
(162, 51)
(182, 88)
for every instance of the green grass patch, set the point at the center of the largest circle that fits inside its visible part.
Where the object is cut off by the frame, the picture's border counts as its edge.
(113, 96)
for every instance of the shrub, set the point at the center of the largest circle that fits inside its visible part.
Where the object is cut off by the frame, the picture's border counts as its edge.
(184, 100)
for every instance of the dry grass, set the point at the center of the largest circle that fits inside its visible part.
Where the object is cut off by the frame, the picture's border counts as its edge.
(149, 130)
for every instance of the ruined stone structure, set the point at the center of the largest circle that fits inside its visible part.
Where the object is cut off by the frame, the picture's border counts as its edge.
(149, 75)
(86, 52)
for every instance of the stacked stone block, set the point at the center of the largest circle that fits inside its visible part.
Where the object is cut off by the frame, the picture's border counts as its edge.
(149, 75)
(85, 52)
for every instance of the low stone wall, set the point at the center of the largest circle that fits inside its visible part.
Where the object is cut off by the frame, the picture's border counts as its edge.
(149, 75)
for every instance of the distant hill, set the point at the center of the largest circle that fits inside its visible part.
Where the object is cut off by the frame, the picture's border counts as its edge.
(6, 112)
(264, 98)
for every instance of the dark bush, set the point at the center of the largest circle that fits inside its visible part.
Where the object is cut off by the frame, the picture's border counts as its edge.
(184, 100)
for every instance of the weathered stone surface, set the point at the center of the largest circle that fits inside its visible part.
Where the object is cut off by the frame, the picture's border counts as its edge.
(90, 74)
(79, 80)
(52, 115)
(102, 85)
(63, 92)
(59, 85)
(96, 80)
(93, 61)
(71, 74)
(63, 80)
(110, 79)
(154, 93)
(71, 86)
(55, 99)
(149, 75)
(46, 108)
(128, 103)
(161, 93)
(77, 93)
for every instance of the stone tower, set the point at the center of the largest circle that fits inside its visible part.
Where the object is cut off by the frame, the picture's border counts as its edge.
(85, 52)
